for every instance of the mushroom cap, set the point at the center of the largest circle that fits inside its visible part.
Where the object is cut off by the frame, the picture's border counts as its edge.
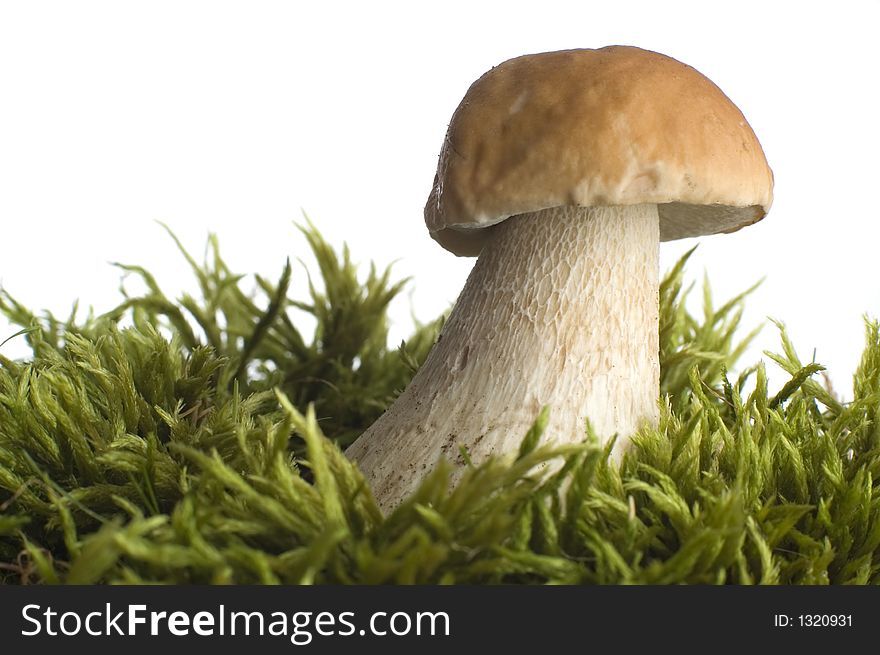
(613, 126)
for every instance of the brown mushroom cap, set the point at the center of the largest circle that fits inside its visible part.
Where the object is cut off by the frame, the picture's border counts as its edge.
(614, 126)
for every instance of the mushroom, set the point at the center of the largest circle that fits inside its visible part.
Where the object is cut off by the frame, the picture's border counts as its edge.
(563, 171)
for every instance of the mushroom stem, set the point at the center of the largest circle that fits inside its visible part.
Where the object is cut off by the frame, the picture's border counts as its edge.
(561, 309)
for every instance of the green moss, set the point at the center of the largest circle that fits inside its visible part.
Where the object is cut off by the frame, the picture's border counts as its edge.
(198, 440)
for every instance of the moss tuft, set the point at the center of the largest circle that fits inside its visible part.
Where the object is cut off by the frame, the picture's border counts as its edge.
(199, 440)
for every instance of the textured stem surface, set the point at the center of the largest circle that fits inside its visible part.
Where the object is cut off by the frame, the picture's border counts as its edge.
(561, 309)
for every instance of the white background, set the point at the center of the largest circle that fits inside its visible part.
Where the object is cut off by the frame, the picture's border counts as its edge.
(234, 117)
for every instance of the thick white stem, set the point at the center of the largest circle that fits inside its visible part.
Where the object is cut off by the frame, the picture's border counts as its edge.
(560, 309)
